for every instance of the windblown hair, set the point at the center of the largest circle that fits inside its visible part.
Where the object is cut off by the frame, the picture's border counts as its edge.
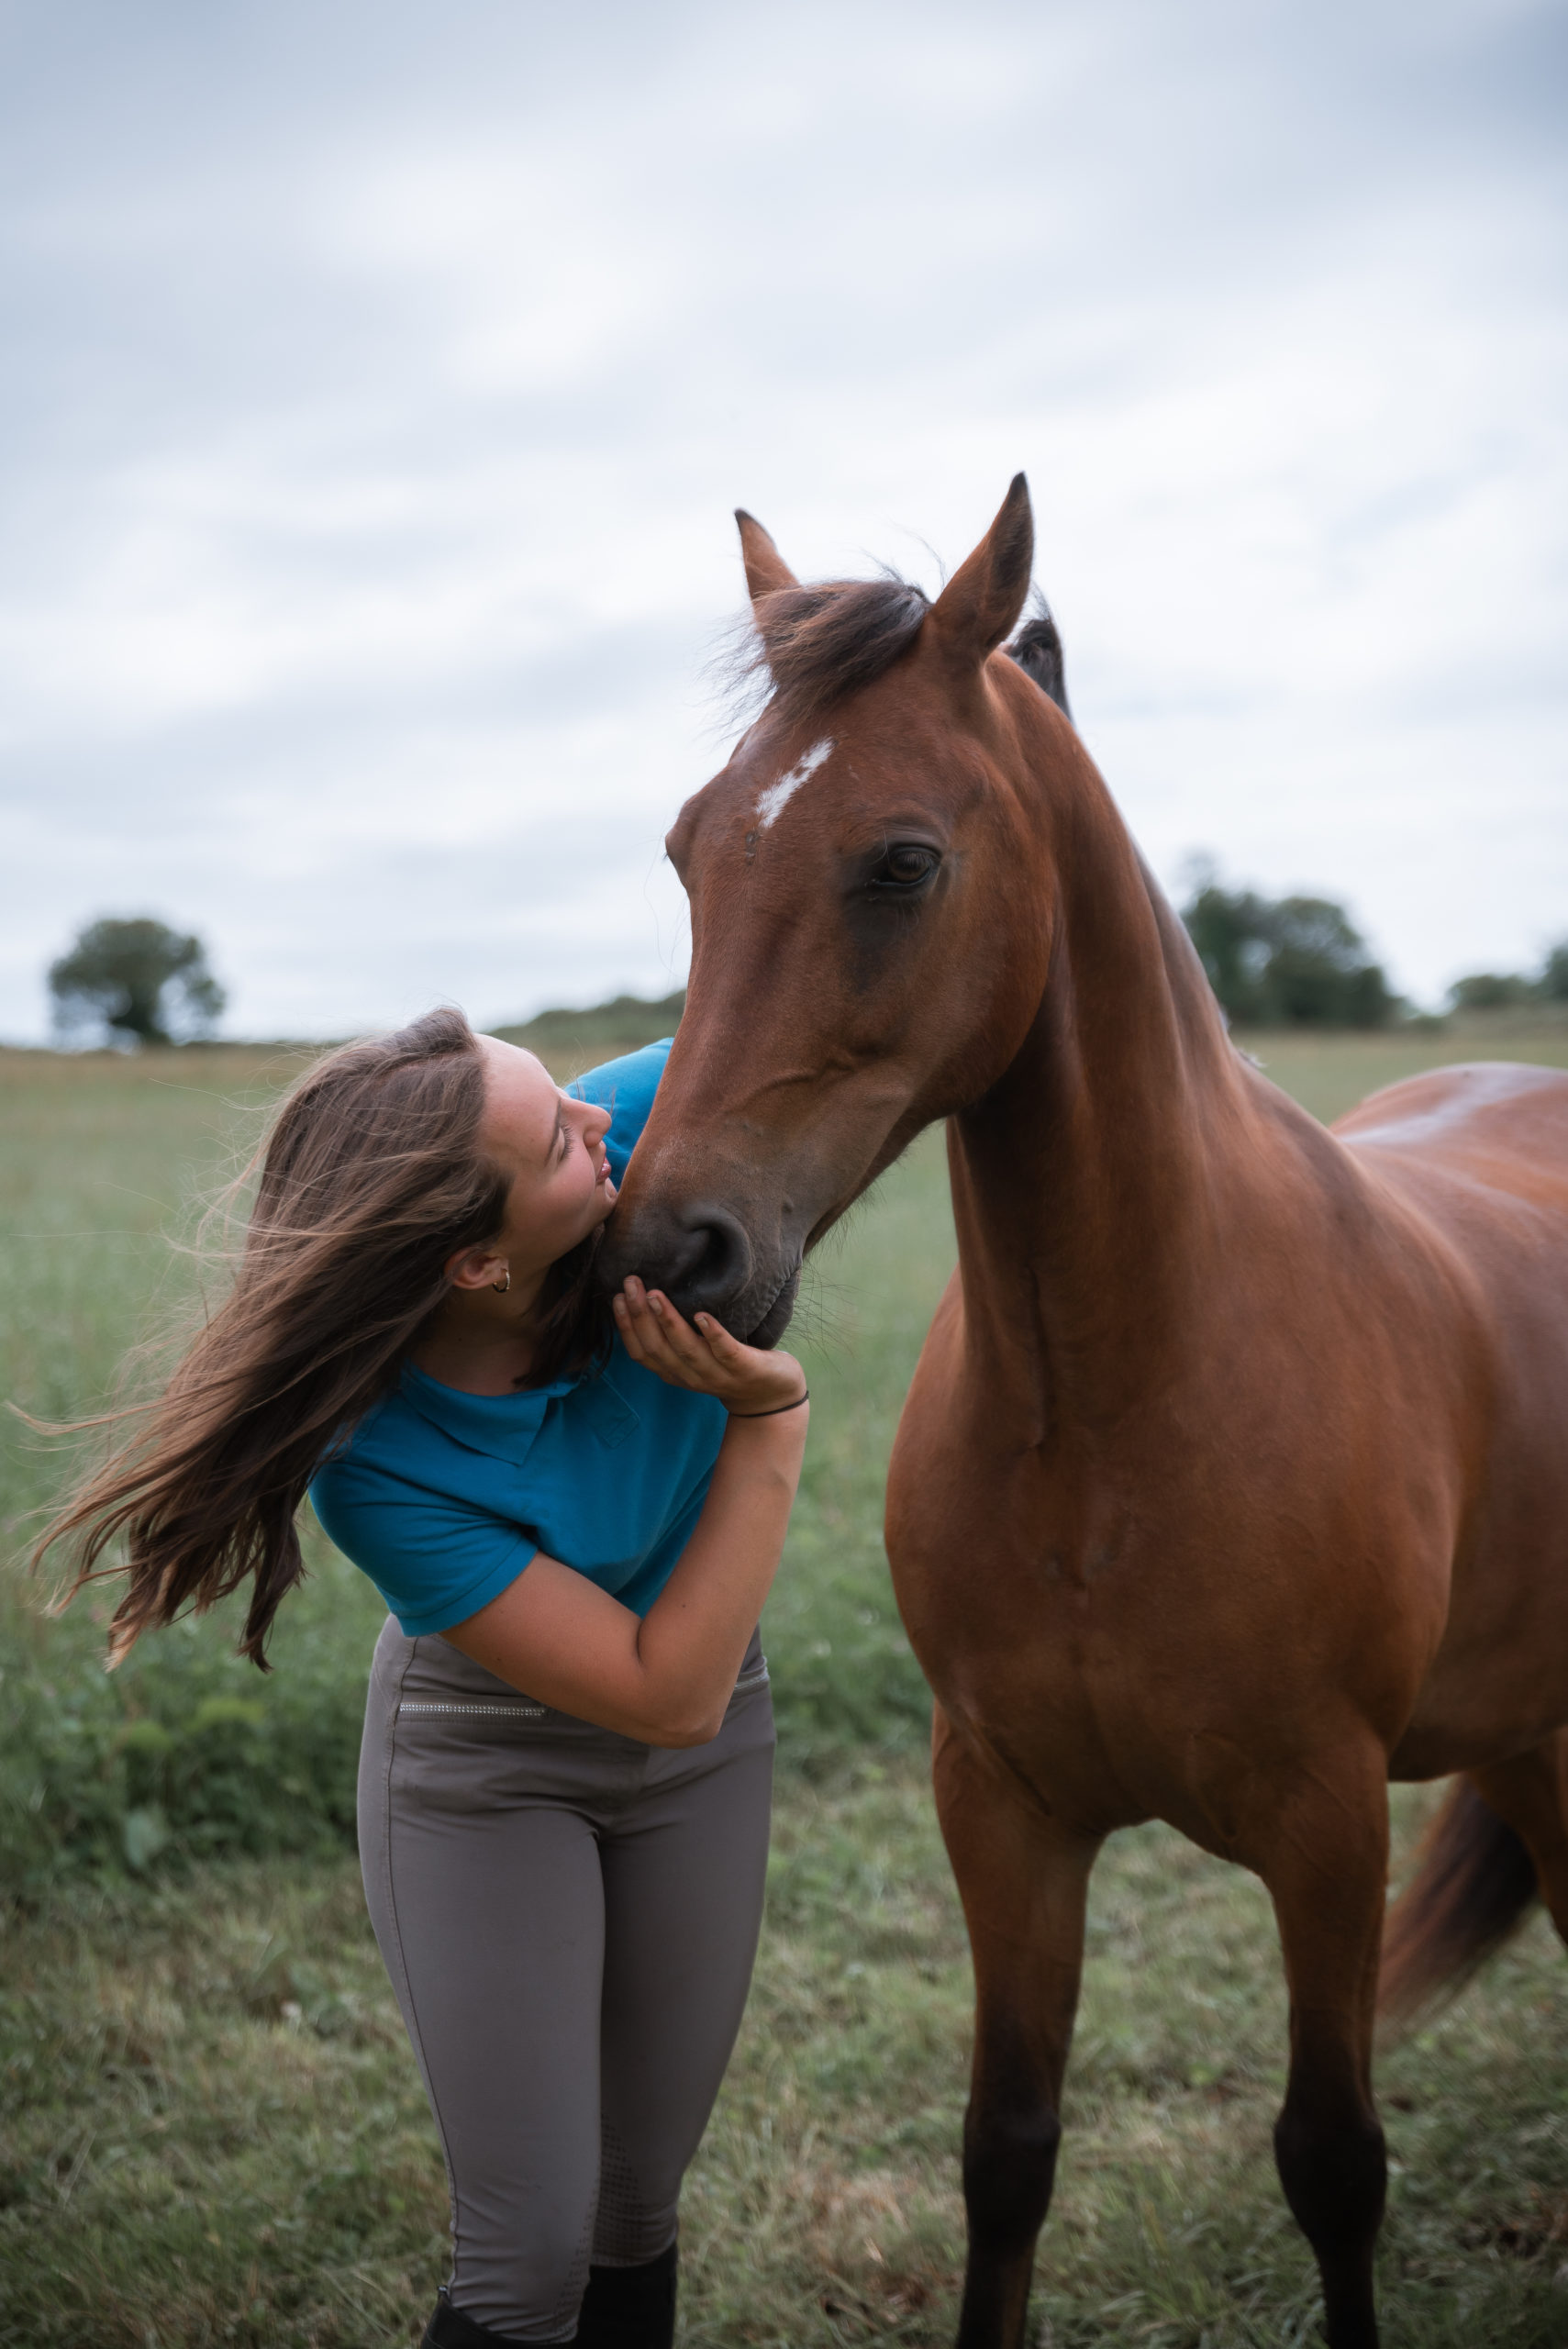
(818, 643)
(370, 1178)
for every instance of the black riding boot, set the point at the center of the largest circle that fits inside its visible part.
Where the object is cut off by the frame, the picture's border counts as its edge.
(450, 2329)
(630, 2308)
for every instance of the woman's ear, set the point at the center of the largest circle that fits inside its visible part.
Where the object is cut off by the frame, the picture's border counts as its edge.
(476, 1268)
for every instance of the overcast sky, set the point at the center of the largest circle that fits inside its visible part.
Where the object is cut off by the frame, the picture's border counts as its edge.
(378, 382)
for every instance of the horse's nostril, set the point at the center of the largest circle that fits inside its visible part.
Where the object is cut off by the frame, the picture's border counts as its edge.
(694, 1250)
(716, 1260)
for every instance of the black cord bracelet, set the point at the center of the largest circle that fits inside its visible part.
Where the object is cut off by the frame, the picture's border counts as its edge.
(799, 1399)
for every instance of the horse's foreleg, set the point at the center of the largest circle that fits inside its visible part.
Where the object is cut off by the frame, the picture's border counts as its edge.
(1023, 1879)
(1325, 1866)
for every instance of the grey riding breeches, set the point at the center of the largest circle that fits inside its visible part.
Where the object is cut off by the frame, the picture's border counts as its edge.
(568, 1918)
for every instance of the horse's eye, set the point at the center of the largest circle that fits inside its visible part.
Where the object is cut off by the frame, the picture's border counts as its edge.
(904, 867)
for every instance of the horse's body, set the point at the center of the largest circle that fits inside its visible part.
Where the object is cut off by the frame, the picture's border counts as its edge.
(1341, 1492)
(1234, 1475)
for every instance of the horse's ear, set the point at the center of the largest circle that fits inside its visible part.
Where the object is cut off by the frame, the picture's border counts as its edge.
(980, 603)
(1036, 648)
(766, 569)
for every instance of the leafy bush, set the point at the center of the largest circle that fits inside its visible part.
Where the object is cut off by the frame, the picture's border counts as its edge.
(1287, 961)
(187, 1750)
(1506, 990)
(1489, 991)
(1551, 984)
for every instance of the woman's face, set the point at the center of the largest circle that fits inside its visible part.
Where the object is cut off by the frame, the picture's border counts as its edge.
(554, 1149)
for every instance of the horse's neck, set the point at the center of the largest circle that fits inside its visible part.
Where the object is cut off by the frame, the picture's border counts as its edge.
(1084, 1183)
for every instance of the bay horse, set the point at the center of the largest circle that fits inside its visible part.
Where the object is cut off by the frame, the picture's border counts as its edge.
(1233, 1478)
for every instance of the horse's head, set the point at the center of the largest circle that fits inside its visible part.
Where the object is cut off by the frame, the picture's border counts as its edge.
(871, 911)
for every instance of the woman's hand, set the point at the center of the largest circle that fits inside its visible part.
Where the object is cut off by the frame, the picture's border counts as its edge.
(746, 1379)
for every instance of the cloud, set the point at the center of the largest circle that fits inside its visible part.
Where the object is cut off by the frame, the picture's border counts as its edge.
(382, 384)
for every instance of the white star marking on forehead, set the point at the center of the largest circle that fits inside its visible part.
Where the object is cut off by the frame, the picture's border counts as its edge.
(772, 803)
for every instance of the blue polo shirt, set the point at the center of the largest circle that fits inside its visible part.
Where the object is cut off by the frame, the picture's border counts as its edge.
(443, 1498)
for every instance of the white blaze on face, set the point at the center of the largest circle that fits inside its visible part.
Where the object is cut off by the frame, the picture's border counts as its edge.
(772, 803)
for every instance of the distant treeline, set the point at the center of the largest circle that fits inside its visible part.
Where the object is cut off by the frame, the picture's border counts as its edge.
(1295, 962)
(1272, 962)
(1302, 963)
(1510, 990)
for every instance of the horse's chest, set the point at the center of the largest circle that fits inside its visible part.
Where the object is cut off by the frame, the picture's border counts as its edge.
(1003, 1572)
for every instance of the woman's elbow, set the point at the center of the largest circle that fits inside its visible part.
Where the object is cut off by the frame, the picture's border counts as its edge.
(678, 1734)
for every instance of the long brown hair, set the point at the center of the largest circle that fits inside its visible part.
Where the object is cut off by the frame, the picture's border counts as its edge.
(370, 1178)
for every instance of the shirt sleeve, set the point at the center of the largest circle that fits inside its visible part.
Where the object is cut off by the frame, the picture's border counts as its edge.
(436, 1562)
(625, 1088)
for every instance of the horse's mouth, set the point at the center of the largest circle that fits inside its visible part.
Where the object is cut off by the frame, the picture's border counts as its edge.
(777, 1319)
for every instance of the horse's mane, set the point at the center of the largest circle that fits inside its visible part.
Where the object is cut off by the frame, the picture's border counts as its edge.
(817, 644)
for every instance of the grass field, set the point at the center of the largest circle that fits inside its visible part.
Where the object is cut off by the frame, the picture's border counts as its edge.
(212, 2130)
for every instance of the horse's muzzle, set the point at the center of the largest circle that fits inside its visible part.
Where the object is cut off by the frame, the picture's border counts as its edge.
(704, 1259)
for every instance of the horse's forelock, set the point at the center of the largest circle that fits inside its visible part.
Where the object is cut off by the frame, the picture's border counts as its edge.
(813, 645)
(817, 644)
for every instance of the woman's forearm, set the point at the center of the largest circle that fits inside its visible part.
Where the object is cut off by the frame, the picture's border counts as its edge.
(692, 1639)
(667, 1677)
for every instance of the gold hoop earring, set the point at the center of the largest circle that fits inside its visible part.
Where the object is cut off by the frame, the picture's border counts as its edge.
(501, 1287)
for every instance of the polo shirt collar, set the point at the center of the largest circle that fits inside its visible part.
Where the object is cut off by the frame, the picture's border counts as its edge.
(505, 1425)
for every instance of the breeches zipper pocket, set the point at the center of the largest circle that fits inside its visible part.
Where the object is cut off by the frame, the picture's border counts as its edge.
(505, 1712)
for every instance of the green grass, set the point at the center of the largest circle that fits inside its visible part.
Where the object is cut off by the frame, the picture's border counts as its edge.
(215, 2134)
(212, 2130)
(186, 1750)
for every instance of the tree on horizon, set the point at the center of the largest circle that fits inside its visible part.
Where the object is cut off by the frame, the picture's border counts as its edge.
(146, 983)
(1285, 962)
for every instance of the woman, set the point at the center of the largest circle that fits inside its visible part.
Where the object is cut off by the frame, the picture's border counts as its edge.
(567, 1760)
